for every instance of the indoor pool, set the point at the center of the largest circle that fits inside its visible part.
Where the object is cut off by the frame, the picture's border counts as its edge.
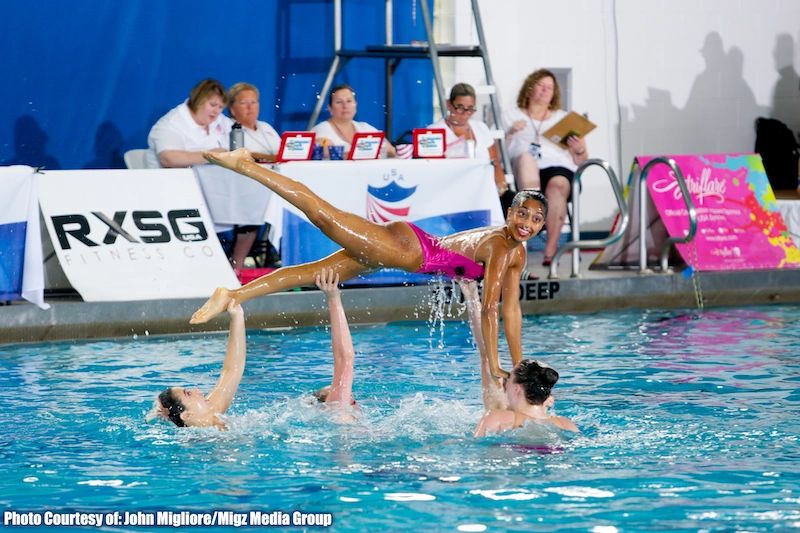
(689, 420)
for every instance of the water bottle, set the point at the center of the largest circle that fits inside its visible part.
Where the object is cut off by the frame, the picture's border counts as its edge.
(237, 136)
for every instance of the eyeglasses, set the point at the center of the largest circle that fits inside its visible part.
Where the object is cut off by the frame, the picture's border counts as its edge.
(461, 109)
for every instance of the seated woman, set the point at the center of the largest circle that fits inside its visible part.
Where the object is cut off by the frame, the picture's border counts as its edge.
(466, 137)
(188, 407)
(340, 128)
(495, 253)
(180, 137)
(524, 397)
(537, 161)
(263, 142)
(259, 137)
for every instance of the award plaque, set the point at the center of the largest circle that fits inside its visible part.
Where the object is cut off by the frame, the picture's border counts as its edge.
(366, 145)
(429, 143)
(296, 146)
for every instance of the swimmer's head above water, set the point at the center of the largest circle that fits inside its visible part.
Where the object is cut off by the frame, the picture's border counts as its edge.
(526, 215)
(185, 408)
(529, 194)
(531, 383)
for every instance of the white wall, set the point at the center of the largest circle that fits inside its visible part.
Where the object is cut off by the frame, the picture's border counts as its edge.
(656, 76)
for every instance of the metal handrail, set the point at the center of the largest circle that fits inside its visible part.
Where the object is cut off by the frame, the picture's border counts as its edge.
(576, 244)
(687, 198)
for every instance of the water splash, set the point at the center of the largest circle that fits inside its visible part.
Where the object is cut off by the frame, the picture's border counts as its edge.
(444, 302)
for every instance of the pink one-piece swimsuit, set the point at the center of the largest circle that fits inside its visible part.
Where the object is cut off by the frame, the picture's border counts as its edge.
(439, 260)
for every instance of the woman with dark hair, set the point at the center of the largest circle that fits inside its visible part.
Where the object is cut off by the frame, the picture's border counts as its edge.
(496, 254)
(189, 407)
(524, 396)
(537, 161)
(466, 137)
(528, 398)
(180, 137)
(341, 127)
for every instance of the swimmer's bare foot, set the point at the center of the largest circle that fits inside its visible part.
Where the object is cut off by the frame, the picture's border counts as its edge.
(229, 159)
(215, 305)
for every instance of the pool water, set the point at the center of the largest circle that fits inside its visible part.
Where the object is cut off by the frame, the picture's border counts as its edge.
(690, 421)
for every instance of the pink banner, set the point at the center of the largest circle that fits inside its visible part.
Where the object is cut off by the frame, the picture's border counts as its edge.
(739, 226)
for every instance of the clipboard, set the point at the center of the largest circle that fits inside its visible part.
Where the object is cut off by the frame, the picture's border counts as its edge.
(366, 145)
(573, 124)
(296, 146)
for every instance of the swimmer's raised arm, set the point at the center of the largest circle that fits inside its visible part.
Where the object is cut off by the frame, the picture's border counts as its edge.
(512, 313)
(493, 396)
(221, 397)
(341, 389)
(496, 265)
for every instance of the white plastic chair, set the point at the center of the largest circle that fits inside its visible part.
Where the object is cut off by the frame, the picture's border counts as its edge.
(136, 158)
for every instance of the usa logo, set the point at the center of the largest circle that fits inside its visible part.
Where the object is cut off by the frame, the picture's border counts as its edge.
(390, 202)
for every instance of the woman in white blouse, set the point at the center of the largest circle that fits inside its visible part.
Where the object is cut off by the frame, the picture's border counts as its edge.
(466, 137)
(263, 142)
(538, 162)
(259, 137)
(180, 137)
(340, 128)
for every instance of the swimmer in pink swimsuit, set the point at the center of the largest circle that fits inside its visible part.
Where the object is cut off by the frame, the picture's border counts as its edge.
(369, 246)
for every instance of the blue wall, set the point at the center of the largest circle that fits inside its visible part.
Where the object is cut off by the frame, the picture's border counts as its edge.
(84, 80)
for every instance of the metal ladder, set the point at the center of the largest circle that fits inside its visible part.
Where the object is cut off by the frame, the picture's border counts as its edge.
(392, 54)
(576, 244)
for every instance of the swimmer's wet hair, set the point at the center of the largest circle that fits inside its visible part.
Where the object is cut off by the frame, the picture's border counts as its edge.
(322, 394)
(173, 405)
(529, 194)
(537, 381)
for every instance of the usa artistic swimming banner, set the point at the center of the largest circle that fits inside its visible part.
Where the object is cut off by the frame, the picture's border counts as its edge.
(123, 235)
(441, 197)
(21, 270)
(739, 224)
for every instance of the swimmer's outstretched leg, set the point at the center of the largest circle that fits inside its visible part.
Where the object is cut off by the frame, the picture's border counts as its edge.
(393, 245)
(340, 263)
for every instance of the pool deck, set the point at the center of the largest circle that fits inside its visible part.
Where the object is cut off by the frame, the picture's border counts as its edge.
(593, 290)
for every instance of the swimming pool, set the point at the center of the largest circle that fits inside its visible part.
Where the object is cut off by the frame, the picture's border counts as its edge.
(690, 421)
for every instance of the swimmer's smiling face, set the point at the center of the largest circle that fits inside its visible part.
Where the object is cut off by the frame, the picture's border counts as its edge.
(526, 220)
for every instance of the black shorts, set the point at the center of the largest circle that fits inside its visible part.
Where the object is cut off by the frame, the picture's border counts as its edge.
(238, 230)
(545, 174)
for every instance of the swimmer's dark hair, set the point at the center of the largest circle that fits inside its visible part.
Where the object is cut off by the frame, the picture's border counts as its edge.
(529, 194)
(536, 380)
(173, 405)
(322, 394)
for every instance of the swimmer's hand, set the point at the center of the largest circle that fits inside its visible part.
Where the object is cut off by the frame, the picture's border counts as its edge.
(228, 159)
(469, 288)
(235, 309)
(328, 282)
(215, 305)
(500, 376)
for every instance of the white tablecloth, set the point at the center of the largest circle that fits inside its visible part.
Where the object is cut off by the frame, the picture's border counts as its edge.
(232, 199)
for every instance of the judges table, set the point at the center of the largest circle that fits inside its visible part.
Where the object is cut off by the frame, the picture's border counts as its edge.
(441, 197)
